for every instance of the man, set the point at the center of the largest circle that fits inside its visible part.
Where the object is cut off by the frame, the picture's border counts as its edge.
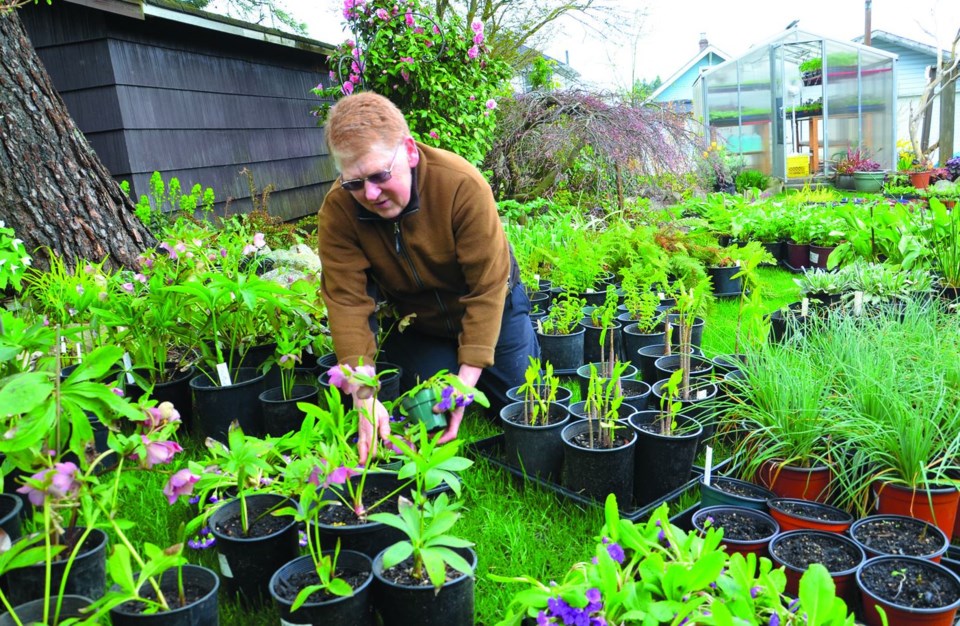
(419, 227)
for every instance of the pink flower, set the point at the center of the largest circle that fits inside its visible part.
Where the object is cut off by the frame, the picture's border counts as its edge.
(418, 30)
(170, 251)
(333, 76)
(161, 415)
(339, 476)
(407, 60)
(58, 482)
(382, 14)
(408, 19)
(434, 134)
(405, 75)
(259, 241)
(140, 278)
(347, 88)
(491, 104)
(159, 452)
(473, 97)
(128, 287)
(476, 26)
(180, 247)
(117, 391)
(180, 484)
(428, 43)
(473, 52)
(436, 29)
(478, 38)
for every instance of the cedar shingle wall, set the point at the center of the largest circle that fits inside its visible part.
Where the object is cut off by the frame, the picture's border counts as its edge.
(189, 102)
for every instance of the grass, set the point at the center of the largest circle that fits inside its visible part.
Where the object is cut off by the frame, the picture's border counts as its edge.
(518, 529)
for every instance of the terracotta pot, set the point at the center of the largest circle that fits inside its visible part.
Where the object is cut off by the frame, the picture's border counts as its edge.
(928, 542)
(898, 615)
(794, 520)
(801, 483)
(920, 180)
(845, 580)
(898, 500)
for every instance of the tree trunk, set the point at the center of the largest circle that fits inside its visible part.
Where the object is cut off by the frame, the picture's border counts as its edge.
(54, 191)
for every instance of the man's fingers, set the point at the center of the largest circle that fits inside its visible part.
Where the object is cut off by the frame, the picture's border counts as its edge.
(362, 449)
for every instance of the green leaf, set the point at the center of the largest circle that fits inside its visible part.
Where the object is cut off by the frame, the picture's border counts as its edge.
(397, 553)
(23, 392)
(340, 587)
(817, 593)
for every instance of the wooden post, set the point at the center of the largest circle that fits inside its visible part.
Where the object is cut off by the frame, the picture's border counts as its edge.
(948, 98)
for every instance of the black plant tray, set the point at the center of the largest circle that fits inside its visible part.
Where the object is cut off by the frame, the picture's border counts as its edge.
(491, 449)
(790, 268)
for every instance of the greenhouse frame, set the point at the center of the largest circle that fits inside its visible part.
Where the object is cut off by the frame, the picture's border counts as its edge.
(796, 103)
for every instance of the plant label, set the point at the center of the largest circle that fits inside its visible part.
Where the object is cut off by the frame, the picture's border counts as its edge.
(702, 394)
(814, 257)
(224, 374)
(661, 296)
(284, 622)
(224, 565)
(804, 307)
(127, 366)
(79, 354)
(857, 302)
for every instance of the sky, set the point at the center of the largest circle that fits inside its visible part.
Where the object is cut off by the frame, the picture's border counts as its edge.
(668, 35)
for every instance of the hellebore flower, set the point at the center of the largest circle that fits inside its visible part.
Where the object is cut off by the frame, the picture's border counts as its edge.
(62, 482)
(180, 484)
(339, 476)
(159, 452)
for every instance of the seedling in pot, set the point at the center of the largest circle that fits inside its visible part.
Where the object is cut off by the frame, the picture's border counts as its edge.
(539, 391)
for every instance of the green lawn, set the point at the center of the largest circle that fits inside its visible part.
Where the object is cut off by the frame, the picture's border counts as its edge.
(517, 529)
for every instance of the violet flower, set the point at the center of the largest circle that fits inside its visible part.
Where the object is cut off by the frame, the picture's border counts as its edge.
(339, 476)
(160, 452)
(180, 484)
(58, 482)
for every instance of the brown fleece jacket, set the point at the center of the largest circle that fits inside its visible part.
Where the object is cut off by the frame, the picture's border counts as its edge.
(446, 258)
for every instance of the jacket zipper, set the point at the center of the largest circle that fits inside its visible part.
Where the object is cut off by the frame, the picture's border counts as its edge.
(402, 252)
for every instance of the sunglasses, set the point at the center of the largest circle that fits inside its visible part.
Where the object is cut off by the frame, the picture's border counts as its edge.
(378, 178)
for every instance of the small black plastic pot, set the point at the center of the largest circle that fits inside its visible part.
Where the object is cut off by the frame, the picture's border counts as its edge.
(751, 496)
(723, 364)
(32, 612)
(176, 391)
(565, 352)
(597, 472)
(405, 605)
(368, 538)
(667, 365)
(280, 415)
(578, 411)
(696, 336)
(87, 577)
(216, 406)
(702, 392)
(537, 449)
(10, 507)
(356, 609)
(247, 563)
(636, 394)
(583, 375)
(633, 340)
(662, 463)
(592, 350)
(724, 283)
(648, 356)
(202, 612)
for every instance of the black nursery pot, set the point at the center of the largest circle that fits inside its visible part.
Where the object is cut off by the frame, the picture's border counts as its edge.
(176, 391)
(695, 407)
(204, 611)
(32, 612)
(281, 416)
(667, 365)
(723, 364)
(215, 407)
(583, 375)
(597, 472)
(696, 336)
(10, 507)
(562, 397)
(662, 462)
(648, 356)
(592, 350)
(537, 449)
(404, 605)
(247, 563)
(565, 352)
(724, 283)
(356, 609)
(369, 538)
(636, 394)
(87, 577)
(633, 340)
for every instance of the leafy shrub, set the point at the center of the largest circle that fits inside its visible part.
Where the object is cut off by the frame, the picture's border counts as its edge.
(751, 179)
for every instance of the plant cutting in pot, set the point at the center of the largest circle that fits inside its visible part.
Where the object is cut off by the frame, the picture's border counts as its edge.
(644, 568)
(429, 401)
(899, 535)
(797, 550)
(560, 333)
(905, 591)
(426, 578)
(602, 336)
(745, 531)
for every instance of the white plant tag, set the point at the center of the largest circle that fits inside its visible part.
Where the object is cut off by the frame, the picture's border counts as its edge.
(224, 566)
(63, 345)
(814, 257)
(224, 374)
(127, 366)
(707, 463)
(79, 354)
(702, 394)
(857, 302)
(284, 622)
(661, 295)
(804, 307)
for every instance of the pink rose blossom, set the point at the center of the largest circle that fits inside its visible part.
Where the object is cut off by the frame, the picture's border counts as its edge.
(434, 134)
(491, 104)
(473, 52)
(347, 88)
(408, 19)
(382, 14)
(180, 484)
(478, 38)
(476, 26)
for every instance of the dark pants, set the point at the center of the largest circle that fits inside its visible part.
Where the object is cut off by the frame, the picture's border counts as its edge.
(421, 356)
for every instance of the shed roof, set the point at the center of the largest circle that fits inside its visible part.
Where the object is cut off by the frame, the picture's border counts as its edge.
(683, 70)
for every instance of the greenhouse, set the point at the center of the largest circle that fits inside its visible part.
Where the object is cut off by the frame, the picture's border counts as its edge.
(799, 101)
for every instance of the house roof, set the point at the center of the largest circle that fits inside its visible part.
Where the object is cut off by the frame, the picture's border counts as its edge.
(910, 44)
(683, 70)
(185, 14)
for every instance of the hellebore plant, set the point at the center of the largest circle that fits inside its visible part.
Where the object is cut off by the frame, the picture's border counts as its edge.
(656, 573)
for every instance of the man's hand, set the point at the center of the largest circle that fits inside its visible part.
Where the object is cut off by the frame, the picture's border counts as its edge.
(468, 375)
(374, 426)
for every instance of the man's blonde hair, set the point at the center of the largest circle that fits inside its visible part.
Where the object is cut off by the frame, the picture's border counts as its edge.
(359, 121)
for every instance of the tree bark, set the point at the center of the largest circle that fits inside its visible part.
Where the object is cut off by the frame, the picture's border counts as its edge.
(54, 191)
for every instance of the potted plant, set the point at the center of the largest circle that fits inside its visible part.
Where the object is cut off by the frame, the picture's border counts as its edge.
(903, 590)
(411, 580)
(643, 321)
(811, 71)
(844, 167)
(429, 401)
(868, 176)
(561, 335)
(899, 535)
(279, 404)
(794, 514)
(940, 232)
(797, 550)
(745, 531)
(531, 427)
(601, 339)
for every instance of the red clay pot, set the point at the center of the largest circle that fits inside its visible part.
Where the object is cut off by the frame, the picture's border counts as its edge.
(898, 500)
(903, 616)
(845, 581)
(792, 521)
(801, 483)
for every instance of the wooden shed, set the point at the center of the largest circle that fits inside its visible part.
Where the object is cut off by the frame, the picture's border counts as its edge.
(156, 86)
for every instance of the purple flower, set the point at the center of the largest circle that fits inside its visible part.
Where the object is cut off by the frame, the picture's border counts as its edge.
(491, 104)
(446, 399)
(473, 51)
(476, 26)
(161, 415)
(616, 552)
(180, 484)
(117, 391)
(775, 620)
(755, 591)
(434, 134)
(339, 476)
(160, 451)
(382, 14)
(128, 287)
(57, 482)
(140, 278)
